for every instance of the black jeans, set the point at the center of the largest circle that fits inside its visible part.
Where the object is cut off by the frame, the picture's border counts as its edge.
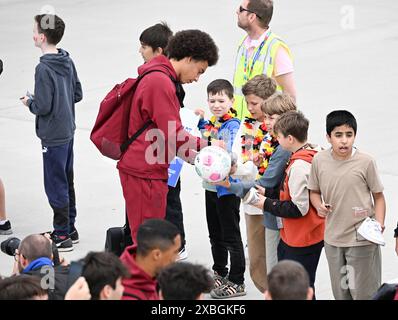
(174, 210)
(222, 216)
(307, 256)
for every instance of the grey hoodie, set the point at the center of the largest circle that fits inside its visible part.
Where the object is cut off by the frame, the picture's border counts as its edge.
(57, 89)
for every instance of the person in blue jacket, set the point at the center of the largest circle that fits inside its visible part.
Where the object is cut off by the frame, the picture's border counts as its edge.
(57, 89)
(222, 207)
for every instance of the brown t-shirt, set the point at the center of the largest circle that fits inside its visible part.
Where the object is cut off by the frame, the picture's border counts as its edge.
(348, 186)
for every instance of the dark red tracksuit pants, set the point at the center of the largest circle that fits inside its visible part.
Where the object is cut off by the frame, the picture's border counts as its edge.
(145, 199)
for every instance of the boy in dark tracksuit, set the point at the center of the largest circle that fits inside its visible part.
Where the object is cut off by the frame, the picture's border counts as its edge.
(57, 89)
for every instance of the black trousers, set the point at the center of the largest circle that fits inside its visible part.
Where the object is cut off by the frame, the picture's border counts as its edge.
(174, 210)
(222, 216)
(308, 257)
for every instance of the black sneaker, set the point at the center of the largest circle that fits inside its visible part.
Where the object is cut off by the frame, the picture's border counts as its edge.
(63, 243)
(74, 235)
(5, 229)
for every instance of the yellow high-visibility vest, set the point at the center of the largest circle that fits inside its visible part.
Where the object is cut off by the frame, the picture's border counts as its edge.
(264, 64)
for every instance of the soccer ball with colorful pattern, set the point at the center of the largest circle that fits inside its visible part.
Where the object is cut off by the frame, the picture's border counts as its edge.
(213, 164)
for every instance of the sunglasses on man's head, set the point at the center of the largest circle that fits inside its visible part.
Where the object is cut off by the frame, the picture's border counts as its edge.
(241, 9)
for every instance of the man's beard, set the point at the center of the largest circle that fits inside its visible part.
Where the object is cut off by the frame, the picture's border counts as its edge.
(242, 25)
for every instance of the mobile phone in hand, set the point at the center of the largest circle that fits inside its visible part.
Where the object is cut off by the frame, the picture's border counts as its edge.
(29, 95)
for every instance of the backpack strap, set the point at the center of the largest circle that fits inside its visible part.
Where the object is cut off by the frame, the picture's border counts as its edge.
(126, 144)
(130, 140)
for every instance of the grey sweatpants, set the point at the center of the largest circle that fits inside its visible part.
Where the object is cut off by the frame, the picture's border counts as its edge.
(355, 272)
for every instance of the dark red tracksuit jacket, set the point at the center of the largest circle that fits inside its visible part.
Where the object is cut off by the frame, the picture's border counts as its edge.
(140, 286)
(143, 178)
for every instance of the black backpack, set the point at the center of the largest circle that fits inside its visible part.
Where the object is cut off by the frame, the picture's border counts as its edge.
(386, 292)
(118, 238)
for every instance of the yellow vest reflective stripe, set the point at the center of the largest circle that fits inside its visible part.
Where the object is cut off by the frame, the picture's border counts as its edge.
(265, 64)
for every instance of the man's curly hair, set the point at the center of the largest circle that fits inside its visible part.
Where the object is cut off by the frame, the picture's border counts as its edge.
(195, 44)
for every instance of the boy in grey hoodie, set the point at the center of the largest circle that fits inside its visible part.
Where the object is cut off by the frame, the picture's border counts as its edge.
(57, 89)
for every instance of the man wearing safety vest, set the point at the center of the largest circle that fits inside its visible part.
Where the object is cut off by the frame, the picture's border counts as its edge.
(260, 52)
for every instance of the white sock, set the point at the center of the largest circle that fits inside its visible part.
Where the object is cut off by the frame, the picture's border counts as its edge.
(2, 222)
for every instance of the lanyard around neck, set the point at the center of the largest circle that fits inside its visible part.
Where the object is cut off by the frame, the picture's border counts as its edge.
(246, 74)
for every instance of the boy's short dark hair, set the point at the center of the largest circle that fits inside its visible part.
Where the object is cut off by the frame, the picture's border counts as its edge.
(155, 234)
(156, 36)
(51, 26)
(101, 269)
(339, 118)
(195, 44)
(292, 123)
(184, 281)
(260, 86)
(221, 86)
(263, 9)
(21, 287)
(288, 280)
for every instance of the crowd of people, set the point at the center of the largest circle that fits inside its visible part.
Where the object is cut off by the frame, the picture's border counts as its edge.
(297, 198)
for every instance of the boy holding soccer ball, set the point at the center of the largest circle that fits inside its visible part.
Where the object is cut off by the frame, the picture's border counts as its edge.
(222, 207)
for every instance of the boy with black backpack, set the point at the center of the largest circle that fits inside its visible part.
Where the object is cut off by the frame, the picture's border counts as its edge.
(57, 89)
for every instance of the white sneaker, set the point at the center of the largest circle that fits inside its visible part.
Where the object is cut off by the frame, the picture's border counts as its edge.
(370, 229)
(182, 255)
(251, 197)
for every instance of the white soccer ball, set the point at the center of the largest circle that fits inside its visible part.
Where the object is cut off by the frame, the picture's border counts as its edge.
(213, 164)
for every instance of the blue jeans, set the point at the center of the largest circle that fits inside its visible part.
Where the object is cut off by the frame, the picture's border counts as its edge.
(59, 187)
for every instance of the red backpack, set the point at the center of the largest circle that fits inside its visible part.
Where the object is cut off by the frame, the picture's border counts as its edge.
(110, 132)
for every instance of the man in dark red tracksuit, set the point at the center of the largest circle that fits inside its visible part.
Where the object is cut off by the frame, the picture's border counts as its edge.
(157, 246)
(143, 168)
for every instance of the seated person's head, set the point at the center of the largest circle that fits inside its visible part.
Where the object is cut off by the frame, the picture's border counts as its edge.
(33, 247)
(184, 281)
(22, 287)
(220, 97)
(103, 272)
(159, 242)
(256, 91)
(291, 129)
(288, 280)
(275, 106)
(154, 41)
(191, 52)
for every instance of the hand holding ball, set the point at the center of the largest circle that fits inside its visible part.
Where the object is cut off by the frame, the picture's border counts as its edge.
(213, 164)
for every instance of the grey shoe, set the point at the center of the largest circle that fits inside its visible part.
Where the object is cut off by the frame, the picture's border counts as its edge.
(5, 229)
(228, 290)
(218, 280)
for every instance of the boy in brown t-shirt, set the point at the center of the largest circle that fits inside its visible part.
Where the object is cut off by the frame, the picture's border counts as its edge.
(344, 184)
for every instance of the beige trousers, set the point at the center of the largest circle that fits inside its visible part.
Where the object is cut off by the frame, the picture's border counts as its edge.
(257, 253)
(355, 272)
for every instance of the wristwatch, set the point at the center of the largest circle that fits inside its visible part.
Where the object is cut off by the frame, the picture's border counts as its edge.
(396, 232)
(209, 141)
